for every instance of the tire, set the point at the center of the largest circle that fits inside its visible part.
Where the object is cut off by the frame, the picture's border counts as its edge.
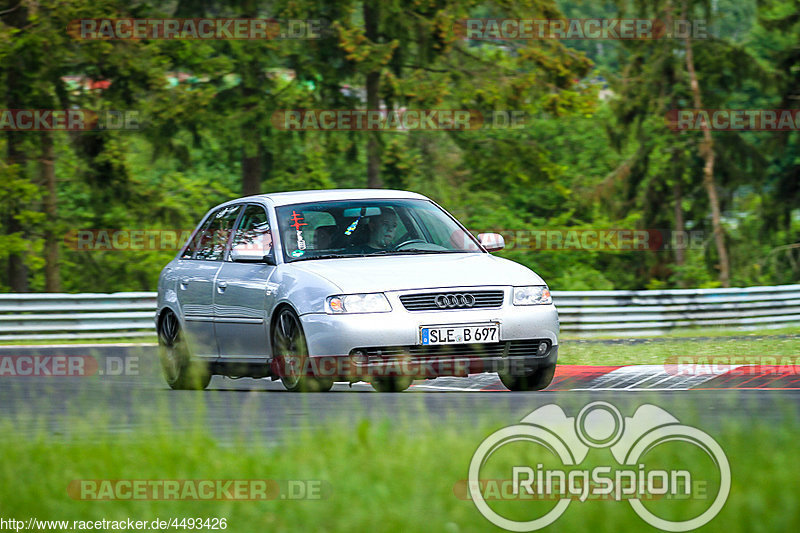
(181, 370)
(290, 347)
(538, 380)
(391, 384)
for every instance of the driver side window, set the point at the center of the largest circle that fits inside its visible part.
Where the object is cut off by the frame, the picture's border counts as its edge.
(253, 233)
(209, 243)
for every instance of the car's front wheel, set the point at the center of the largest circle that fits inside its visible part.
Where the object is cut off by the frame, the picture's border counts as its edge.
(181, 370)
(537, 380)
(391, 383)
(290, 349)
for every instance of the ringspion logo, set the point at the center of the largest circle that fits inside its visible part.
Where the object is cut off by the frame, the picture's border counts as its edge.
(549, 432)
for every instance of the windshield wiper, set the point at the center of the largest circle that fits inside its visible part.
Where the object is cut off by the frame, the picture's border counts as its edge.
(413, 252)
(380, 252)
(327, 256)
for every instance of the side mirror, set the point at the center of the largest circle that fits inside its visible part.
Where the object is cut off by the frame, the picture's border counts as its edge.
(248, 254)
(492, 241)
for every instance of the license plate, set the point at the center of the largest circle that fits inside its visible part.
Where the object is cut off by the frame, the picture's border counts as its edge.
(460, 334)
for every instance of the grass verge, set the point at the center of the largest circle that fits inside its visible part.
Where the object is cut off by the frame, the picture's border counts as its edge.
(659, 351)
(54, 342)
(379, 477)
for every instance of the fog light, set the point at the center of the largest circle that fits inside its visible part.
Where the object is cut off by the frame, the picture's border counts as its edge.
(359, 357)
(543, 346)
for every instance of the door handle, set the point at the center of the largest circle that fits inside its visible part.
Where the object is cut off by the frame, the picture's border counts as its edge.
(222, 285)
(184, 282)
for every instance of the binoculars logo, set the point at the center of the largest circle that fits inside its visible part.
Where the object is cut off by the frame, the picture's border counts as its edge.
(600, 425)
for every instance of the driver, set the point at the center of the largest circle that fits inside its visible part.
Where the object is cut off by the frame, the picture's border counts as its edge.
(382, 230)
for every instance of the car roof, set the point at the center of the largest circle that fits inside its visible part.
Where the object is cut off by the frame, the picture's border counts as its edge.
(296, 197)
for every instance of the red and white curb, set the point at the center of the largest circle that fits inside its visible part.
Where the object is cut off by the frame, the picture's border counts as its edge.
(639, 378)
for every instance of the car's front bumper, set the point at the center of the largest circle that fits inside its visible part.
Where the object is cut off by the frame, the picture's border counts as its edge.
(346, 368)
(391, 340)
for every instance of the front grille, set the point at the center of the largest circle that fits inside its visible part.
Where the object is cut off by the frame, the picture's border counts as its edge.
(496, 349)
(428, 301)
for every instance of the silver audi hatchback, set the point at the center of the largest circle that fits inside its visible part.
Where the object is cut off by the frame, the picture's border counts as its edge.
(315, 287)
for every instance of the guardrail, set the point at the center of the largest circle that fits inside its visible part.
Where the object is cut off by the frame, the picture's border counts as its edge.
(76, 316)
(582, 313)
(648, 313)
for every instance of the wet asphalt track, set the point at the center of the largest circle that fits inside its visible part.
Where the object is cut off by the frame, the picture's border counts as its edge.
(84, 407)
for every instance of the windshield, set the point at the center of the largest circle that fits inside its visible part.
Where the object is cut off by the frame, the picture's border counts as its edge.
(358, 228)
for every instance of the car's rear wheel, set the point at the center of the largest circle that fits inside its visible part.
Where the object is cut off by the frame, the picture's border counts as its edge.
(537, 380)
(290, 348)
(181, 370)
(391, 383)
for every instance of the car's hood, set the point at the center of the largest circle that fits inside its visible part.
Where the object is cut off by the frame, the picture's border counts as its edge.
(404, 272)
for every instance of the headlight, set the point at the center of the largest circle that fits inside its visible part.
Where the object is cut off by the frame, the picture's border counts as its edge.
(534, 295)
(358, 303)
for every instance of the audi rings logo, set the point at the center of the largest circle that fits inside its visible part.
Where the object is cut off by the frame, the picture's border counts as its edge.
(451, 301)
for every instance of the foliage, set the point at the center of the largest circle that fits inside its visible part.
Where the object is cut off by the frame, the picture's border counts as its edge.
(373, 472)
(594, 151)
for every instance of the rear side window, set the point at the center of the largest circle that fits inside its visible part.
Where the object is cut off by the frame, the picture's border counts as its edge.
(211, 240)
